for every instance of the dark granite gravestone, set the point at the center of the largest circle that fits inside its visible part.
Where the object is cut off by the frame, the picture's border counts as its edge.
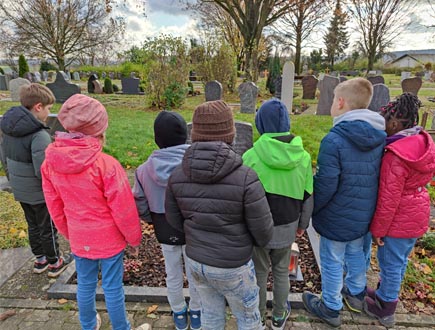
(381, 97)
(14, 87)
(376, 80)
(243, 139)
(326, 88)
(248, 92)
(278, 87)
(411, 85)
(309, 86)
(54, 124)
(91, 87)
(131, 86)
(213, 91)
(62, 89)
(3, 86)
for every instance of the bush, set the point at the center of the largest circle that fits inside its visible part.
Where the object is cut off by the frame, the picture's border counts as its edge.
(115, 88)
(46, 66)
(174, 95)
(108, 87)
(23, 67)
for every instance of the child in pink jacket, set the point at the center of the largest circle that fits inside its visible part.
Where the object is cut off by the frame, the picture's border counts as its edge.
(403, 207)
(89, 198)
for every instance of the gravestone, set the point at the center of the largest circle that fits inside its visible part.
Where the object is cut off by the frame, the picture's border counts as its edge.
(76, 75)
(62, 89)
(45, 76)
(432, 76)
(288, 80)
(37, 77)
(278, 87)
(91, 87)
(381, 97)
(309, 86)
(213, 91)
(243, 139)
(98, 89)
(248, 92)
(411, 85)
(376, 80)
(342, 78)
(103, 75)
(54, 124)
(51, 75)
(326, 88)
(8, 78)
(28, 76)
(405, 75)
(130, 86)
(112, 75)
(427, 75)
(372, 73)
(65, 76)
(3, 86)
(14, 87)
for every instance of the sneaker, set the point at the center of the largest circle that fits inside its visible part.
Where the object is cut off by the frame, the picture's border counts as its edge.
(315, 305)
(180, 320)
(279, 323)
(97, 327)
(54, 270)
(195, 320)
(353, 302)
(40, 266)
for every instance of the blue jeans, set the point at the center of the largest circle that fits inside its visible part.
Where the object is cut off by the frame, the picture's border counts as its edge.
(393, 259)
(333, 256)
(112, 270)
(237, 285)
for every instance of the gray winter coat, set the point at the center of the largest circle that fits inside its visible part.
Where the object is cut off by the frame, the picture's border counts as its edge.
(25, 139)
(220, 205)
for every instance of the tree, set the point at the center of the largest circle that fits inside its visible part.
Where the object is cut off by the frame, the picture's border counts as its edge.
(298, 24)
(379, 22)
(23, 67)
(337, 38)
(251, 17)
(56, 29)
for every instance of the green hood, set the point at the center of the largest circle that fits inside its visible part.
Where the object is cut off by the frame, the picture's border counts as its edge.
(283, 168)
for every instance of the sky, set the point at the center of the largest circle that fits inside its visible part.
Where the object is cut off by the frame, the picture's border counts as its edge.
(169, 17)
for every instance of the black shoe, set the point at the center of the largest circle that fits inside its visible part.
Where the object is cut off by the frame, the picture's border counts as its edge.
(279, 323)
(353, 302)
(54, 270)
(315, 306)
(40, 266)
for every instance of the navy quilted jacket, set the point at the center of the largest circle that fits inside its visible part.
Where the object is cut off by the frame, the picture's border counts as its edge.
(346, 181)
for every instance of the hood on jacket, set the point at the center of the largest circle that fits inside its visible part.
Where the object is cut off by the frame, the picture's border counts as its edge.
(364, 128)
(417, 151)
(277, 154)
(162, 162)
(209, 162)
(19, 121)
(72, 153)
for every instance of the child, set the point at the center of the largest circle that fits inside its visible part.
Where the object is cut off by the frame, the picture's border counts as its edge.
(345, 190)
(284, 168)
(221, 207)
(90, 200)
(403, 207)
(170, 134)
(24, 142)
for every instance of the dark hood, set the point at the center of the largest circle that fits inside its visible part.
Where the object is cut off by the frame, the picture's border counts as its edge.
(18, 121)
(209, 162)
(361, 134)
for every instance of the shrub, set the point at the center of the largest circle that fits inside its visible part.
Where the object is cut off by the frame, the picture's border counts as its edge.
(115, 88)
(274, 72)
(23, 67)
(47, 66)
(174, 95)
(108, 87)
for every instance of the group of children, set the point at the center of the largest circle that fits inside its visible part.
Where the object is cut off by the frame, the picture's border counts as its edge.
(230, 218)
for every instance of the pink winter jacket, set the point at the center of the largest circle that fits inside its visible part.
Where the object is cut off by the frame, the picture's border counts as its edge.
(89, 197)
(403, 205)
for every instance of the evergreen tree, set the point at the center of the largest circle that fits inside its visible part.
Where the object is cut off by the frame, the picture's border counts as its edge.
(337, 38)
(23, 67)
(274, 72)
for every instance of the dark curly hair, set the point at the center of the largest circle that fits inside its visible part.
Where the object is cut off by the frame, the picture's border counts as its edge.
(404, 108)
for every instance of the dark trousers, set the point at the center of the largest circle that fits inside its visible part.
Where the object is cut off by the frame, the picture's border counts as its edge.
(42, 232)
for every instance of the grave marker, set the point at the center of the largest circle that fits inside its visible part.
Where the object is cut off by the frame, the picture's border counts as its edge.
(14, 87)
(213, 91)
(248, 92)
(288, 80)
(381, 97)
(326, 88)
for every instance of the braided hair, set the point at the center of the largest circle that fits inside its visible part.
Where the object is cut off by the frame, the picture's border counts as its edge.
(404, 108)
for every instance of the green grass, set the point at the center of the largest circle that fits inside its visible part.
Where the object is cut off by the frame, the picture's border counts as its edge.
(13, 226)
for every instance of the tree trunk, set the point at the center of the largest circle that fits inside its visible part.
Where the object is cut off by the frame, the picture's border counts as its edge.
(61, 63)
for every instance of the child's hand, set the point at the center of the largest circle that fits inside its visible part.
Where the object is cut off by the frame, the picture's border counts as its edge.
(133, 251)
(300, 232)
(378, 241)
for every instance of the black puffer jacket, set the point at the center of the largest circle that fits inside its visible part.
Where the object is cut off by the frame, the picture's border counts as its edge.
(219, 204)
(24, 142)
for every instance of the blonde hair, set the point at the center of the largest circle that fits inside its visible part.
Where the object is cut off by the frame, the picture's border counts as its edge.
(32, 94)
(356, 92)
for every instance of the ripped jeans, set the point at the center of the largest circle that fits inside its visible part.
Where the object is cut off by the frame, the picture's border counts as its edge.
(238, 286)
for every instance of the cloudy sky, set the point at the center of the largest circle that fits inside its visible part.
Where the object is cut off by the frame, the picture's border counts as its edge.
(169, 16)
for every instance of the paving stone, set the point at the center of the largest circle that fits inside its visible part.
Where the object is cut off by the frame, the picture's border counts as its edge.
(300, 326)
(39, 316)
